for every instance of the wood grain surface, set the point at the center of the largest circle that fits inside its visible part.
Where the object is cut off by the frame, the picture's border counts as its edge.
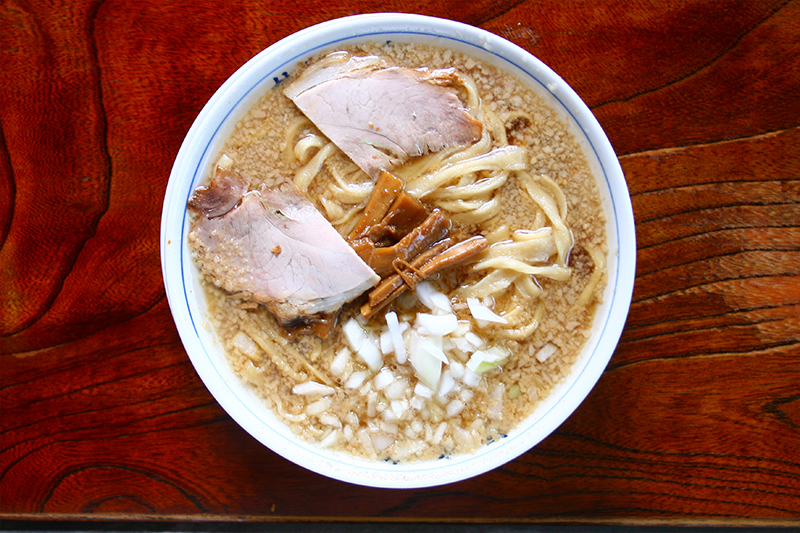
(697, 418)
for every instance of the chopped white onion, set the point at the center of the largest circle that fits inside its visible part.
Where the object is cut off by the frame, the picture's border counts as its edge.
(399, 408)
(318, 407)
(382, 441)
(340, 361)
(433, 345)
(330, 439)
(457, 370)
(242, 342)
(427, 367)
(330, 420)
(471, 379)
(397, 389)
(309, 388)
(473, 339)
(437, 436)
(383, 379)
(436, 324)
(433, 299)
(417, 403)
(421, 390)
(364, 344)
(386, 343)
(481, 312)
(545, 352)
(396, 334)
(355, 380)
(446, 384)
(483, 360)
(454, 408)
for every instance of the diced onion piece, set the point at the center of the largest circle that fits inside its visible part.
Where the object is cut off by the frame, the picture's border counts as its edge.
(417, 403)
(473, 339)
(364, 344)
(330, 420)
(462, 329)
(310, 388)
(481, 312)
(433, 345)
(457, 370)
(340, 361)
(471, 379)
(330, 439)
(454, 408)
(381, 441)
(242, 342)
(354, 334)
(399, 407)
(437, 324)
(397, 389)
(387, 346)
(355, 380)
(224, 162)
(545, 352)
(421, 390)
(446, 384)
(433, 299)
(483, 360)
(383, 379)
(396, 334)
(427, 367)
(318, 407)
(437, 436)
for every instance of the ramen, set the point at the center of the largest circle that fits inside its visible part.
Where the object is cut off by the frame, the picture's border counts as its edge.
(486, 251)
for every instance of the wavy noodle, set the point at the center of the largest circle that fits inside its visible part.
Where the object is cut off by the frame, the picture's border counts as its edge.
(306, 145)
(292, 130)
(464, 182)
(306, 174)
(499, 159)
(524, 329)
(474, 189)
(599, 260)
(549, 205)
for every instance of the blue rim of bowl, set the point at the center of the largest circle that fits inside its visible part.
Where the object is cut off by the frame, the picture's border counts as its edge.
(433, 465)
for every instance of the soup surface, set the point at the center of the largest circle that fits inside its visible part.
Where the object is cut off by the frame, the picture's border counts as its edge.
(464, 354)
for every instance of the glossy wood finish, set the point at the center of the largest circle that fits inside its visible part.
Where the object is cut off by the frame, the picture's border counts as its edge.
(696, 419)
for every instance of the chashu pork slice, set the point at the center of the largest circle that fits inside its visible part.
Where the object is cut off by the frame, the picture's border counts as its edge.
(381, 116)
(277, 249)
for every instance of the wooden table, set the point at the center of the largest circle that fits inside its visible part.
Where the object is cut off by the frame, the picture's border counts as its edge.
(697, 418)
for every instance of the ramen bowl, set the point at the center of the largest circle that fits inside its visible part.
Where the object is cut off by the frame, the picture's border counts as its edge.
(200, 152)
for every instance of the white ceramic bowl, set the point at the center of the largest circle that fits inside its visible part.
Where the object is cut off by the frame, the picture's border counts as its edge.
(200, 151)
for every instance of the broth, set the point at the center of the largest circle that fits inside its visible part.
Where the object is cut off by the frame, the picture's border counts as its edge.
(391, 413)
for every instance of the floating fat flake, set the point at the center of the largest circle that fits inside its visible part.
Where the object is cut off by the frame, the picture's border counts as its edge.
(481, 312)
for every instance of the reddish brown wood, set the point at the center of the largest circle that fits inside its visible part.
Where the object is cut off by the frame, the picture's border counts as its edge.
(697, 417)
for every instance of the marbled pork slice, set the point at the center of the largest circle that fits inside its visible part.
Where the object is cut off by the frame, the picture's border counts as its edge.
(380, 117)
(277, 249)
